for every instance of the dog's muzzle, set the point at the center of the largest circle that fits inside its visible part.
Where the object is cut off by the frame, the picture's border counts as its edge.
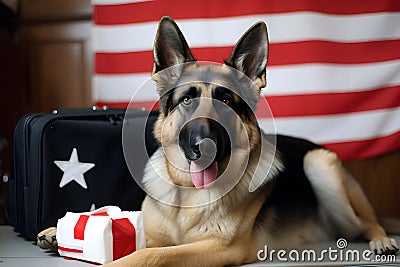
(204, 143)
(204, 139)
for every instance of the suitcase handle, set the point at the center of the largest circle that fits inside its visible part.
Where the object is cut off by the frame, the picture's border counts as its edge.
(77, 110)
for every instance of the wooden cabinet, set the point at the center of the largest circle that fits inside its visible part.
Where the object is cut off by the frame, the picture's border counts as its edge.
(55, 10)
(379, 177)
(58, 64)
(55, 44)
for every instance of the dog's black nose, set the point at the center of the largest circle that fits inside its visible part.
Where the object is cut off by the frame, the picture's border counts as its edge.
(203, 139)
(203, 147)
(199, 147)
(196, 150)
(204, 151)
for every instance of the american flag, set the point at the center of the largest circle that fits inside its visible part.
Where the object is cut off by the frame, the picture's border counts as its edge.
(333, 74)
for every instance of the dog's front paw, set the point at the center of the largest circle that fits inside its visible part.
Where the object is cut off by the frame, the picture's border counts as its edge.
(384, 245)
(47, 239)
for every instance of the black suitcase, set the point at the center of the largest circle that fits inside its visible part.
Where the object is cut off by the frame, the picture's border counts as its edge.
(72, 160)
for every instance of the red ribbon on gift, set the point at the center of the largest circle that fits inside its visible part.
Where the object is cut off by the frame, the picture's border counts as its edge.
(123, 232)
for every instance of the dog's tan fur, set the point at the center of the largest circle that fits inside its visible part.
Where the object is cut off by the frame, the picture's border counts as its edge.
(230, 230)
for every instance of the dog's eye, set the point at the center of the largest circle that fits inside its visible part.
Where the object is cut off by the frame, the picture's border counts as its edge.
(228, 100)
(186, 100)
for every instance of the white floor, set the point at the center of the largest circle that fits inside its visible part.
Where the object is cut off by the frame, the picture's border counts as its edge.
(17, 252)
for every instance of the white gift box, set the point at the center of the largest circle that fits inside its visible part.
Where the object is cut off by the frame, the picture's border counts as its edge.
(100, 236)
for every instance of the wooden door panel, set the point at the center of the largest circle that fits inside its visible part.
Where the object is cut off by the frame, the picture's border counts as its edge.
(58, 65)
(380, 179)
(55, 9)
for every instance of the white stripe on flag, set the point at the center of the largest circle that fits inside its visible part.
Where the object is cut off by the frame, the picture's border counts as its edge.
(291, 27)
(121, 88)
(332, 78)
(347, 127)
(295, 79)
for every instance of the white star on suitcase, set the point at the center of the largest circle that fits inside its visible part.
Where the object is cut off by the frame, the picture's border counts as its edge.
(73, 170)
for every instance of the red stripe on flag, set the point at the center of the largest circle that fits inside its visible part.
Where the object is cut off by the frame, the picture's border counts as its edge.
(313, 51)
(101, 104)
(79, 229)
(333, 52)
(305, 105)
(126, 62)
(281, 54)
(124, 238)
(360, 149)
(181, 9)
(148, 105)
(331, 103)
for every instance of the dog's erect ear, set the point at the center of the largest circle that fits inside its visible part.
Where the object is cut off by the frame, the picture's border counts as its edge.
(250, 54)
(170, 47)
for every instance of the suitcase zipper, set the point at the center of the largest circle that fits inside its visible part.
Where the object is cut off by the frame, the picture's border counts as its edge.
(21, 178)
(26, 142)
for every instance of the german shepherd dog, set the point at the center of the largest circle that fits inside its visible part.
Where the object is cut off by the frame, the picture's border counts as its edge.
(299, 194)
(218, 190)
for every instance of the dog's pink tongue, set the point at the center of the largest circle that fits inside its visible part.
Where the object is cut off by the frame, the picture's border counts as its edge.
(203, 177)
